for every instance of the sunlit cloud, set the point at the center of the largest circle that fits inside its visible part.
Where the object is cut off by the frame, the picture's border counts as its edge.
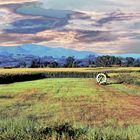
(101, 26)
(2, 2)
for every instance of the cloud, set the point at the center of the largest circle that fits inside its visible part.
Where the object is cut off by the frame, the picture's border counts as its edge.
(2, 2)
(29, 26)
(101, 31)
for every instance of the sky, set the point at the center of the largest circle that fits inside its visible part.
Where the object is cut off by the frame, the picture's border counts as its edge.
(100, 26)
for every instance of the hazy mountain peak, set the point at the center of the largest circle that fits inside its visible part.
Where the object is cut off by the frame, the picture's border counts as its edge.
(39, 50)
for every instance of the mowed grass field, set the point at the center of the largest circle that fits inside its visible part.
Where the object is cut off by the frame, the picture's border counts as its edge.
(100, 112)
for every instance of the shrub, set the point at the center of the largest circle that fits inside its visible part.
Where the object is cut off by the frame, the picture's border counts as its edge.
(127, 79)
(64, 130)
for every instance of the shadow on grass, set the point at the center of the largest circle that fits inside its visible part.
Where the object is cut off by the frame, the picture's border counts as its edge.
(9, 79)
(6, 97)
(114, 83)
(12, 78)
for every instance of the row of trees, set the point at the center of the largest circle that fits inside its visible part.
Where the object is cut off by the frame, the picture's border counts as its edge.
(101, 61)
(68, 62)
(108, 61)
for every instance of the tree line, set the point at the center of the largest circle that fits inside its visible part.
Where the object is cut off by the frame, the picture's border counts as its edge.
(100, 61)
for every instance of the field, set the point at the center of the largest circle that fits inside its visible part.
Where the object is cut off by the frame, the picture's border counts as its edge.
(71, 108)
(100, 69)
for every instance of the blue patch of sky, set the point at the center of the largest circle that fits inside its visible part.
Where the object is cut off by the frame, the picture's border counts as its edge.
(90, 5)
(37, 10)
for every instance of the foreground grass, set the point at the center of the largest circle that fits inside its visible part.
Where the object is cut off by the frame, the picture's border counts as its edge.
(23, 129)
(30, 110)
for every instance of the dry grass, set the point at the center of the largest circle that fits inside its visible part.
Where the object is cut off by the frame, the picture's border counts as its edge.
(76, 100)
(31, 70)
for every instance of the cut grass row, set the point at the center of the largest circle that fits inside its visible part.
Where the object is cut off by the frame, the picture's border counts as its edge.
(80, 100)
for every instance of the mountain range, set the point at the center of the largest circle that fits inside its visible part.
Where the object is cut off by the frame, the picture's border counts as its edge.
(39, 50)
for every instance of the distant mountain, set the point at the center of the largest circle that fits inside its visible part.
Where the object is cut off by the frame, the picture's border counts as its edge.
(38, 50)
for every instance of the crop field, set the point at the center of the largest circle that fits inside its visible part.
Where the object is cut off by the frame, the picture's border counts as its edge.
(71, 108)
(98, 69)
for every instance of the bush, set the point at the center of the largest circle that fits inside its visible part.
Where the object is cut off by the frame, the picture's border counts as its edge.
(64, 130)
(126, 79)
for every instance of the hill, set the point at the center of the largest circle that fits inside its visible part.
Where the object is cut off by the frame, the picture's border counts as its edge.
(38, 50)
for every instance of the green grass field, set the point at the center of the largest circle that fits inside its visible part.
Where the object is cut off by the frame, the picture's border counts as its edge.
(96, 112)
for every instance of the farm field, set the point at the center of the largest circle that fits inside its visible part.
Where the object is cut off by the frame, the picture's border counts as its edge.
(98, 69)
(42, 109)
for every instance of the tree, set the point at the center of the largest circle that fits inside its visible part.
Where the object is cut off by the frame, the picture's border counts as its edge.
(136, 63)
(108, 61)
(22, 64)
(53, 65)
(35, 63)
(70, 62)
(130, 61)
(104, 61)
(118, 61)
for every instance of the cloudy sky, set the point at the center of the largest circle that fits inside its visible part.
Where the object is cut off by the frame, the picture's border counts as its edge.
(101, 26)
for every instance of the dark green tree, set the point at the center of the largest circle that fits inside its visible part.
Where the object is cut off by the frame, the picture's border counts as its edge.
(35, 63)
(130, 61)
(70, 62)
